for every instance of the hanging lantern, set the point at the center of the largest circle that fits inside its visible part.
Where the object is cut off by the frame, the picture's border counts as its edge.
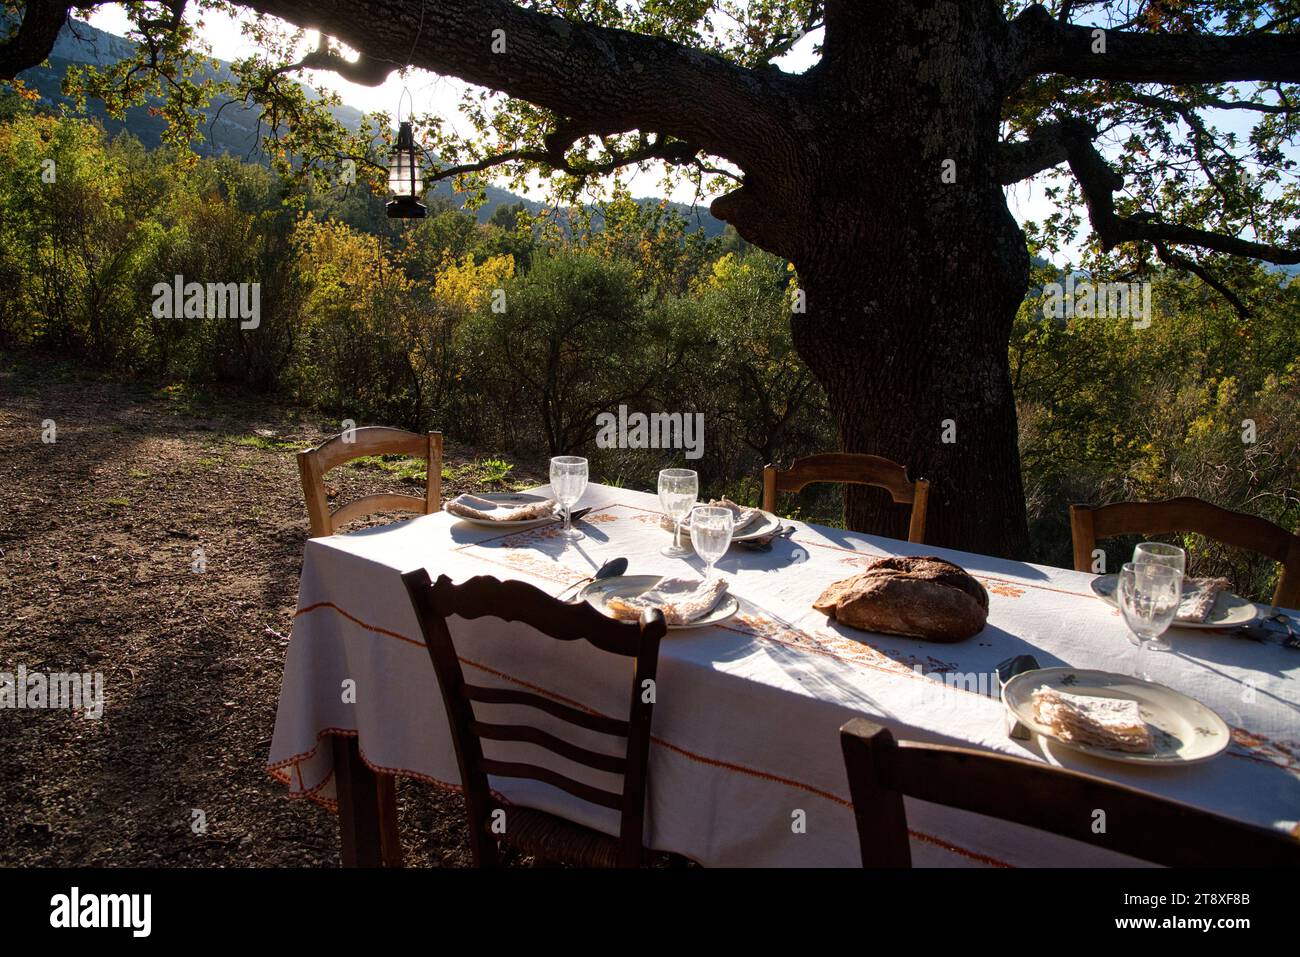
(405, 183)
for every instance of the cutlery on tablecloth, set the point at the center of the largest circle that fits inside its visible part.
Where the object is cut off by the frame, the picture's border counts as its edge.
(764, 544)
(1274, 624)
(1007, 670)
(613, 567)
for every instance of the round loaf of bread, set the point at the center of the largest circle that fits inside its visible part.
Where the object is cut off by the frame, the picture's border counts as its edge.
(925, 598)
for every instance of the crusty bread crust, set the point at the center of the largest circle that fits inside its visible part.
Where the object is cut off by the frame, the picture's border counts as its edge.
(925, 598)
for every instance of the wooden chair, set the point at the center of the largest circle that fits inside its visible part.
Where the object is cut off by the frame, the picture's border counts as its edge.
(881, 771)
(856, 469)
(1087, 524)
(314, 463)
(532, 831)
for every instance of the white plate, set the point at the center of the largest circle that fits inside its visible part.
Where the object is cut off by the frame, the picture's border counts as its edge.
(512, 499)
(1229, 610)
(598, 594)
(765, 524)
(1185, 731)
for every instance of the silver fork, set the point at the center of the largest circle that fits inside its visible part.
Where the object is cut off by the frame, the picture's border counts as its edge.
(765, 544)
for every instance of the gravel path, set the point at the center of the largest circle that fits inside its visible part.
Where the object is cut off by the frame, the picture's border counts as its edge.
(100, 531)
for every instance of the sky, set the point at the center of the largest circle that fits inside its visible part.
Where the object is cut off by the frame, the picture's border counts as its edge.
(440, 95)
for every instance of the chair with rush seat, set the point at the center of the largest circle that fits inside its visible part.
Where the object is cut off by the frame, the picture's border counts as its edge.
(532, 831)
(1087, 524)
(882, 771)
(347, 446)
(853, 469)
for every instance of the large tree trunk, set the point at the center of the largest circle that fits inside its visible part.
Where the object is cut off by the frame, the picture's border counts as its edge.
(913, 357)
(912, 265)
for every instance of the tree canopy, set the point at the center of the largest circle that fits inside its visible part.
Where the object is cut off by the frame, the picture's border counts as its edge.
(1164, 128)
(1192, 103)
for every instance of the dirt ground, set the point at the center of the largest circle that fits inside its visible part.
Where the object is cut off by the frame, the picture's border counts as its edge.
(98, 537)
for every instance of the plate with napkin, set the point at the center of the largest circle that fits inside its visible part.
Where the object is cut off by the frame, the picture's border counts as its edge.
(1206, 603)
(748, 523)
(503, 509)
(685, 602)
(1116, 717)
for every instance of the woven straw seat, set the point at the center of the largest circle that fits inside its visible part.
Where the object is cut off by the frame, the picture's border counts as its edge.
(529, 830)
(555, 839)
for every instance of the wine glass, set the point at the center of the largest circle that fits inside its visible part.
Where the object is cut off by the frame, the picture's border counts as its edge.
(1158, 553)
(1148, 599)
(568, 482)
(677, 491)
(711, 529)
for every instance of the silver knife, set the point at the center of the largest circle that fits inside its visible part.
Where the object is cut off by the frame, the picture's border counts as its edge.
(1007, 670)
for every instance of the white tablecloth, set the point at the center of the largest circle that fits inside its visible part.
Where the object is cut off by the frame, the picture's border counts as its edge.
(745, 767)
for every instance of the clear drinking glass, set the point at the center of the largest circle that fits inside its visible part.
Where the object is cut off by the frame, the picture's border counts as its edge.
(678, 489)
(568, 482)
(1158, 553)
(711, 529)
(1148, 599)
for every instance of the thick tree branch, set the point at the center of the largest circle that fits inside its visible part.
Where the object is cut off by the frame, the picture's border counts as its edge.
(33, 40)
(1043, 149)
(1099, 183)
(363, 70)
(1049, 46)
(594, 74)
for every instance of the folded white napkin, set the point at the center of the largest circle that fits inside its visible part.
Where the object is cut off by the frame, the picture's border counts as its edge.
(682, 600)
(1199, 597)
(1114, 723)
(742, 517)
(485, 510)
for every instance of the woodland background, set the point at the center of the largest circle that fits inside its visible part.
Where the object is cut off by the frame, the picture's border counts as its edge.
(627, 302)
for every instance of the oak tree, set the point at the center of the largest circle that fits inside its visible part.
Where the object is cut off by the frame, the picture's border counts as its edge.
(880, 171)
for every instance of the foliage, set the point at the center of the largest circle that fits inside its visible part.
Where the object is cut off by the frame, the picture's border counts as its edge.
(574, 339)
(1201, 402)
(505, 337)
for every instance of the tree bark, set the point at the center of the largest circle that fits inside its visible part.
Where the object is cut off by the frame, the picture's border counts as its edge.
(912, 265)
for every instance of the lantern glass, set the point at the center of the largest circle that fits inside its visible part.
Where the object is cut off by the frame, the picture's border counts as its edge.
(404, 174)
(405, 180)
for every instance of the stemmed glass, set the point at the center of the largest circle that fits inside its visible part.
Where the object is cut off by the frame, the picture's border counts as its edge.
(677, 491)
(711, 529)
(1158, 553)
(568, 482)
(1148, 598)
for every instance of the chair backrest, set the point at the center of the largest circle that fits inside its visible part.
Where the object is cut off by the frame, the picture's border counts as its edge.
(358, 443)
(485, 596)
(852, 468)
(1087, 524)
(881, 771)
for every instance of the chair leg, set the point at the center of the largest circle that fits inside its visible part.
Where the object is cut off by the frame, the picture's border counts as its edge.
(482, 844)
(390, 842)
(367, 809)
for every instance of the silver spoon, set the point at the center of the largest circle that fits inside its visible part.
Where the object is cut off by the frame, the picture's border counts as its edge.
(613, 567)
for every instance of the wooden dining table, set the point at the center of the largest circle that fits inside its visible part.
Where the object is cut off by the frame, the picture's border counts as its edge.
(745, 766)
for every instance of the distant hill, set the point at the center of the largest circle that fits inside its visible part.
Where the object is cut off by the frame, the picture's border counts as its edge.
(233, 129)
